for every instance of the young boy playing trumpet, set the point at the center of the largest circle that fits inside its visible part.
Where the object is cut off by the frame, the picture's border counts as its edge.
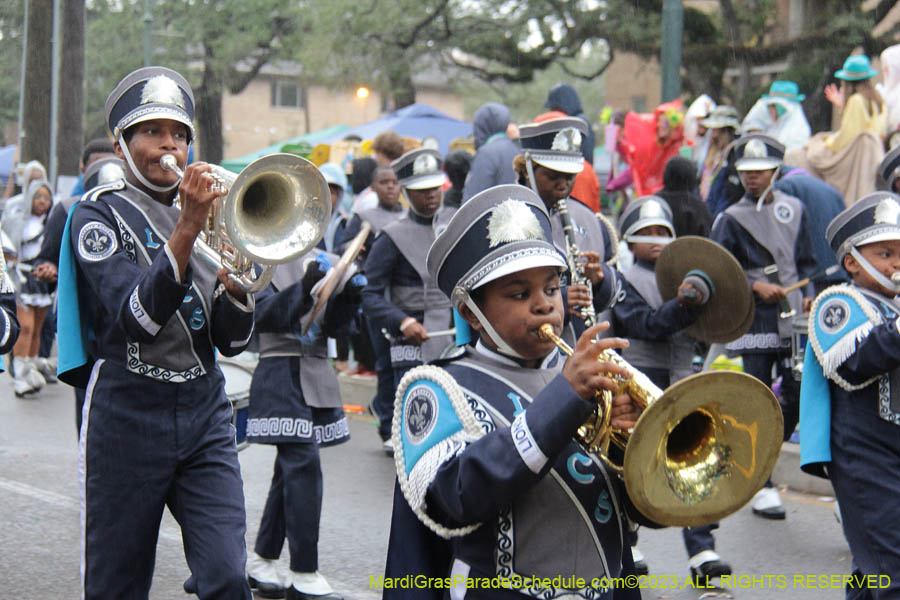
(484, 445)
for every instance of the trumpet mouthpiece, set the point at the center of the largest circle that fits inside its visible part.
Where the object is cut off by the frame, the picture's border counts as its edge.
(896, 277)
(168, 162)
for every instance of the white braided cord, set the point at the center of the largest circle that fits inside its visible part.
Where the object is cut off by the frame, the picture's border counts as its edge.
(416, 485)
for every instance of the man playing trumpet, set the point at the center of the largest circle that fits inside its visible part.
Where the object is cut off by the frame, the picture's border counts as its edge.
(141, 318)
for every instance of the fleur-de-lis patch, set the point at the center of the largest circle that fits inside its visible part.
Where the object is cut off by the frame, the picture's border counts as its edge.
(833, 315)
(420, 413)
(96, 241)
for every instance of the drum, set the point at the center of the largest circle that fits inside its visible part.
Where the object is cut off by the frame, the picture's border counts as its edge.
(238, 375)
(799, 335)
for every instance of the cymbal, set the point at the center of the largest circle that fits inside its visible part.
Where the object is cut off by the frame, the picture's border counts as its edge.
(729, 313)
(703, 449)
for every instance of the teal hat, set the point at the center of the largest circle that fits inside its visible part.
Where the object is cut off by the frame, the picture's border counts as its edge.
(856, 68)
(785, 89)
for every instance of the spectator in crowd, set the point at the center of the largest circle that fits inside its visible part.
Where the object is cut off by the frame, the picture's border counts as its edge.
(494, 151)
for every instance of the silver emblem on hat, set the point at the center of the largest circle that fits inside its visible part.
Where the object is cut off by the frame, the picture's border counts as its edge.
(162, 90)
(652, 209)
(756, 148)
(887, 212)
(425, 164)
(567, 139)
(513, 221)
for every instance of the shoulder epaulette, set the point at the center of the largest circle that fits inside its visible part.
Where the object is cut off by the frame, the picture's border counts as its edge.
(432, 423)
(839, 319)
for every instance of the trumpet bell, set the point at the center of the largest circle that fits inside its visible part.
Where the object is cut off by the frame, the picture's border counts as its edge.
(277, 208)
(703, 449)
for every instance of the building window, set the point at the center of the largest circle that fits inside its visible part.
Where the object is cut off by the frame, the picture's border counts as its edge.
(287, 94)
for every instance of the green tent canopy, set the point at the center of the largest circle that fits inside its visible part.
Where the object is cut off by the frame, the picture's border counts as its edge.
(298, 145)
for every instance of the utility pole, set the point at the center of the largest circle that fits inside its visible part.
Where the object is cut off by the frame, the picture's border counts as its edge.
(148, 34)
(52, 167)
(672, 29)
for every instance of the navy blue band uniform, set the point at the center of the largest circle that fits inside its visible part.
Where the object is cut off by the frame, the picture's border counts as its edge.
(850, 395)
(395, 268)
(556, 145)
(490, 480)
(295, 403)
(142, 337)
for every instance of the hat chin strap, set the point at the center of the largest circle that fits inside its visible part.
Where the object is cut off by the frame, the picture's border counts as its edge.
(765, 193)
(412, 208)
(502, 346)
(529, 168)
(873, 272)
(139, 175)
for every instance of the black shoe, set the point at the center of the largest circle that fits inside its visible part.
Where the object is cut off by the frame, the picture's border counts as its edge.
(266, 589)
(775, 513)
(641, 568)
(708, 570)
(295, 594)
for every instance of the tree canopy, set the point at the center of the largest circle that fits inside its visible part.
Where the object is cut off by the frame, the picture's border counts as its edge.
(222, 44)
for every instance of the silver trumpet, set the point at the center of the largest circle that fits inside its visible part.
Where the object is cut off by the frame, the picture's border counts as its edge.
(895, 277)
(274, 211)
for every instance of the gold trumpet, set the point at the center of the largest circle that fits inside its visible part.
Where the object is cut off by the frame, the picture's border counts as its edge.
(699, 451)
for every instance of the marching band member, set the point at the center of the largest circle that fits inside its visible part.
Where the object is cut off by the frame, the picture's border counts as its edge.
(850, 396)
(396, 264)
(141, 319)
(767, 231)
(388, 210)
(658, 345)
(295, 403)
(551, 158)
(484, 446)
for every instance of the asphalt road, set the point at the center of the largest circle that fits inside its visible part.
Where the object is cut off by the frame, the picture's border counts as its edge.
(40, 531)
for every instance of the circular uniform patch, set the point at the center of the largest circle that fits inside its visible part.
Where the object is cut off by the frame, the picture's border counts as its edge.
(833, 315)
(96, 241)
(784, 212)
(420, 413)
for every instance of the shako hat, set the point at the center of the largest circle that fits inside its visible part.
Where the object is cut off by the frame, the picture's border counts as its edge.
(758, 152)
(873, 218)
(501, 230)
(644, 212)
(555, 143)
(103, 171)
(150, 93)
(419, 169)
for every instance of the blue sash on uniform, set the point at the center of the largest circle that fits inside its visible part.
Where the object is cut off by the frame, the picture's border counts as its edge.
(71, 329)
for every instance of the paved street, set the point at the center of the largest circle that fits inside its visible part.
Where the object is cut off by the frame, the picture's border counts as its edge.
(39, 543)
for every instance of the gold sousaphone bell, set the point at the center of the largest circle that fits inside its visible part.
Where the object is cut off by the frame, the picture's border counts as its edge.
(705, 446)
(699, 451)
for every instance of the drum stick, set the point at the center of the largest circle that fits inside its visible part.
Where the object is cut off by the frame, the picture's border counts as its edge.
(820, 275)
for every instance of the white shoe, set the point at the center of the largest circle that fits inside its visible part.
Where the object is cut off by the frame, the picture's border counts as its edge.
(767, 504)
(263, 569)
(263, 576)
(46, 368)
(313, 584)
(21, 385)
(33, 376)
